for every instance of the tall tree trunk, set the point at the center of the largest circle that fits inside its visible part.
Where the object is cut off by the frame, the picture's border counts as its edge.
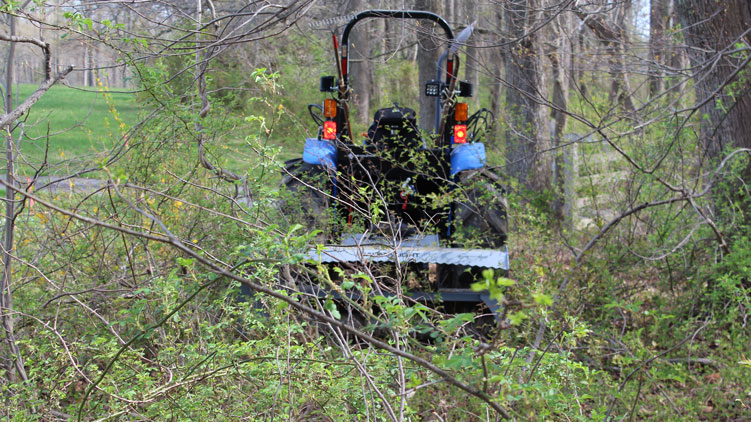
(495, 57)
(712, 29)
(620, 90)
(361, 68)
(468, 13)
(84, 62)
(722, 83)
(90, 64)
(612, 33)
(528, 133)
(465, 13)
(470, 70)
(560, 57)
(427, 56)
(12, 359)
(450, 12)
(659, 55)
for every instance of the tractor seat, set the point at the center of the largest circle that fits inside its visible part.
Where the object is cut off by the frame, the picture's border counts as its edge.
(395, 127)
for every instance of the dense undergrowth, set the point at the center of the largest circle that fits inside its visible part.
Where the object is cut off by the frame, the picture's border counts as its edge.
(657, 339)
(120, 318)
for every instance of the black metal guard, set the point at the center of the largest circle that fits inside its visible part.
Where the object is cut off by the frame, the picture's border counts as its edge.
(400, 14)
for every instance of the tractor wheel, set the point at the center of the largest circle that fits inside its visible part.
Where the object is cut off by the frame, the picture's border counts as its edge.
(303, 189)
(479, 222)
(305, 197)
(480, 215)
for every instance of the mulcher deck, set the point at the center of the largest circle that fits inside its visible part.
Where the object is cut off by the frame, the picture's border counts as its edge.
(484, 258)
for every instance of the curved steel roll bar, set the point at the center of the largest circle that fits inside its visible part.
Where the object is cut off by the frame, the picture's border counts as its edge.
(399, 14)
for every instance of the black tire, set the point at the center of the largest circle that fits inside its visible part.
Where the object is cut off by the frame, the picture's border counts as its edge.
(304, 200)
(480, 214)
(305, 197)
(479, 223)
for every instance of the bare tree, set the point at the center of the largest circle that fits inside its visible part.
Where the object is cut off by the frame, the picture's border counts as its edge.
(527, 135)
(361, 64)
(560, 59)
(427, 57)
(12, 359)
(610, 29)
(660, 14)
(718, 37)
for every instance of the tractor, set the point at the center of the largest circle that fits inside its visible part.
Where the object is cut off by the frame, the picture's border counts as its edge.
(416, 202)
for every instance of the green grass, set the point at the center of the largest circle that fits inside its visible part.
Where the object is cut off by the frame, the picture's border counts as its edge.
(80, 124)
(83, 126)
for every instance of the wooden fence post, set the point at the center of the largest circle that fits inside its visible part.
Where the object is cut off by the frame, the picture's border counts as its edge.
(570, 177)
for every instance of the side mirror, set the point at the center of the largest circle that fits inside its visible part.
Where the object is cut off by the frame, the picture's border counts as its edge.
(432, 88)
(465, 89)
(327, 84)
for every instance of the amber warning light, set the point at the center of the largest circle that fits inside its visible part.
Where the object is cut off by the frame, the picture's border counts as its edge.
(460, 112)
(460, 134)
(329, 108)
(329, 130)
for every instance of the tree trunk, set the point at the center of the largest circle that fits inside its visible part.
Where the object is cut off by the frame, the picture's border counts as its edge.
(612, 34)
(84, 63)
(712, 28)
(361, 68)
(90, 65)
(470, 73)
(659, 22)
(620, 91)
(559, 59)
(495, 57)
(465, 13)
(427, 55)
(12, 359)
(450, 13)
(527, 134)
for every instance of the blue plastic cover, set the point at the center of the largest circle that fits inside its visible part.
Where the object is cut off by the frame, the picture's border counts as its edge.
(467, 157)
(320, 151)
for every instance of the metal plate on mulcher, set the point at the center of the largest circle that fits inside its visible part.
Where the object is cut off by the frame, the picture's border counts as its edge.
(484, 258)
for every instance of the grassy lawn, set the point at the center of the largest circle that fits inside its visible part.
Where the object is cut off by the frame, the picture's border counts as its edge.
(80, 124)
(83, 126)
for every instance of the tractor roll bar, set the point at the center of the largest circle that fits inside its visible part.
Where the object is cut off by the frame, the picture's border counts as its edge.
(400, 14)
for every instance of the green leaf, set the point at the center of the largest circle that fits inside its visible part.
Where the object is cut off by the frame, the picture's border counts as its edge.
(487, 274)
(517, 317)
(294, 228)
(363, 277)
(496, 294)
(459, 362)
(542, 299)
(346, 285)
(506, 282)
(480, 286)
(281, 305)
(452, 324)
(331, 307)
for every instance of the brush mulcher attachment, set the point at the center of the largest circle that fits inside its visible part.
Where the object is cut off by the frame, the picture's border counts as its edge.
(420, 206)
